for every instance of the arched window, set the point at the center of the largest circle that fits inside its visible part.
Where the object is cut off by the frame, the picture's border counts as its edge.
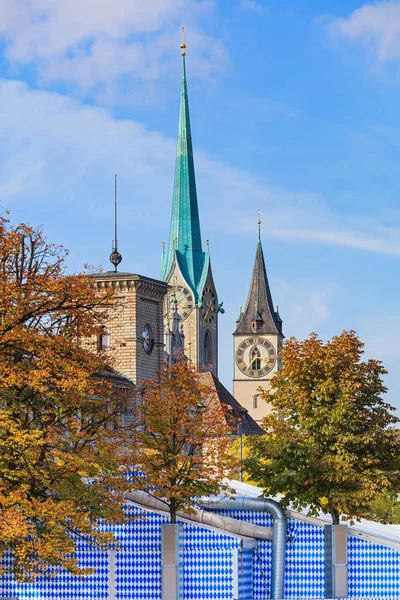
(255, 359)
(255, 401)
(103, 338)
(207, 349)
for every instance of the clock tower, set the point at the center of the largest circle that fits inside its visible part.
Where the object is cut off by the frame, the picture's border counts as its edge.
(257, 341)
(185, 266)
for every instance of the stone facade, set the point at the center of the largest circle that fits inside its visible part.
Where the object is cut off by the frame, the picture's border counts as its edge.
(139, 303)
(200, 335)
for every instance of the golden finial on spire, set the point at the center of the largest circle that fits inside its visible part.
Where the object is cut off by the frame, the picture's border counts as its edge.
(259, 222)
(183, 45)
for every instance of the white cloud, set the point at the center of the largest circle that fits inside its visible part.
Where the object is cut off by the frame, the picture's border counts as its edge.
(311, 309)
(53, 146)
(294, 216)
(94, 44)
(376, 25)
(253, 6)
(381, 343)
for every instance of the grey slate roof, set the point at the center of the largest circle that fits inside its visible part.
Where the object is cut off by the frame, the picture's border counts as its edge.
(117, 379)
(236, 412)
(259, 306)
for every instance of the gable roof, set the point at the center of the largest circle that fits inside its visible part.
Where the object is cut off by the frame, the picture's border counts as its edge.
(235, 411)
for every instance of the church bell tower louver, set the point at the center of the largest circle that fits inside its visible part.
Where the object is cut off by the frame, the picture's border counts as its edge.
(257, 341)
(185, 266)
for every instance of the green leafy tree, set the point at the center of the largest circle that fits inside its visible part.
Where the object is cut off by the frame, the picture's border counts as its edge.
(330, 443)
(386, 509)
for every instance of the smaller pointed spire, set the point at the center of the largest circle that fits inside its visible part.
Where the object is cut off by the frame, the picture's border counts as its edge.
(259, 315)
(115, 256)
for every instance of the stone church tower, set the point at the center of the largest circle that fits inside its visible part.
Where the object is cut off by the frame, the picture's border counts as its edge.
(257, 341)
(185, 266)
(133, 334)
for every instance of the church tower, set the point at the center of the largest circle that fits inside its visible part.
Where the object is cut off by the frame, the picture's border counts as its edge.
(185, 266)
(257, 341)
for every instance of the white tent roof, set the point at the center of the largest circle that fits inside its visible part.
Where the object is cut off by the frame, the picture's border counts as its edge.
(377, 533)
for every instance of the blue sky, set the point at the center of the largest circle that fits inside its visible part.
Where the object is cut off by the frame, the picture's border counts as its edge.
(294, 108)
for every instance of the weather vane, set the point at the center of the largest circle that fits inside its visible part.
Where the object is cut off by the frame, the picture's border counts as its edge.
(183, 45)
(259, 222)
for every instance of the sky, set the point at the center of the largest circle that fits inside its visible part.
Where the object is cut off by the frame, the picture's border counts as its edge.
(294, 110)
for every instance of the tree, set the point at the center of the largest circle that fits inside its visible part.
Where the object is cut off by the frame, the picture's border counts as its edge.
(183, 443)
(330, 442)
(386, 509)
(59, 452)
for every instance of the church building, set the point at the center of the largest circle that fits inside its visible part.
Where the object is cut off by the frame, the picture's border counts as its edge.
(184, 265)
(154, 319)
(257, 341)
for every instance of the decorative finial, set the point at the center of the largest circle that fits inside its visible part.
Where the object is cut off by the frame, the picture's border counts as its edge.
(183, 45)
(241, 309)
(163, 247)
(115, 256)
(259, 223)
(207, 243)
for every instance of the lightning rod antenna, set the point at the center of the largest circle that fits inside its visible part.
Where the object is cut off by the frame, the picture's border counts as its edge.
(115, 256)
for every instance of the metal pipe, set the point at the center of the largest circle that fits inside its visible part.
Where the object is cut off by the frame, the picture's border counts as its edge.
(278, 538)
(208, 519)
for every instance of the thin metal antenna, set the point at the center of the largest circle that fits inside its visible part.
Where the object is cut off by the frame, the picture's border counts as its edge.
(115, 213)
(115, 256)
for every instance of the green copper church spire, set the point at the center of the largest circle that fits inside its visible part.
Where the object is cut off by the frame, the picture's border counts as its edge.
(185, 237)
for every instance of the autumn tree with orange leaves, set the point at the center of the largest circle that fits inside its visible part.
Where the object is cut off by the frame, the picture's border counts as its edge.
(183, 445)
(59, 450)
(331, 442)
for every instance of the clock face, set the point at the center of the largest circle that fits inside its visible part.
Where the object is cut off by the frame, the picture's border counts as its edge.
(184, 301)
(148, 340)
(209, 305)
(255, 357)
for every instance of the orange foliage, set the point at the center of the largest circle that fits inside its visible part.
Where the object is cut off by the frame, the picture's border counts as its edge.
(183, 446)
(56, 416)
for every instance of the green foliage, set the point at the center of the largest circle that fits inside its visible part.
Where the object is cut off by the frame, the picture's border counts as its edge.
(386, 509)
(246, 453)
(331, 445)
